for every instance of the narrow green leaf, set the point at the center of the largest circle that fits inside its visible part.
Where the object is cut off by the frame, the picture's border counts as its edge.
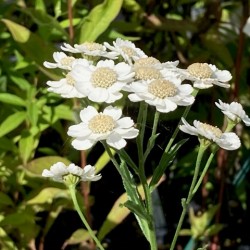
(12, 99)
(27, 144)
(136, 209)
(164, 163)
(31, 44)
(5, 199)
(33, 113)
(99, 19)
(11, 122)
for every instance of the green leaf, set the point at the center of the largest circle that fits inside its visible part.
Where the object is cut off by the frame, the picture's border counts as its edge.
(136, 209)
(5, 199)
(99, 19)
(12, 99)
(47, 195)
(79, 236)
(33, 113)
(31, 44)
(165, 161)
(103, 160)
(11, 122)
(39, 164)
(5, 241)
(27, 144)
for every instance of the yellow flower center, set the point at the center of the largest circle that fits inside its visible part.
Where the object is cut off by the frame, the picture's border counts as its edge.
(103, 77)
(128, 51)
(66, 61)
(215, 130)
(101, 124)
(162, 88)
(70, 79)
(146, 73)
(200, 70)
(92, 46)
(147, 61)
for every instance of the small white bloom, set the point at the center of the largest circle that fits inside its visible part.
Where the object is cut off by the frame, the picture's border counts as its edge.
(205, 75)
(234, 111)
(89, 49)
(66, 86)
(228, 141)
(59, 170)
(103, 82)
(62, 61)
(246, 28)
(107, 125)
(126, 49)
(165, 94)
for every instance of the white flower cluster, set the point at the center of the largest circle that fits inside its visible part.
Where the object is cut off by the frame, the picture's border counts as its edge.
(102, 73)
(59, 171)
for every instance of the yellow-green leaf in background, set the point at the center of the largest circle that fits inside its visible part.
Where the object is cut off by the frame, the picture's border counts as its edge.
(12, 122)
(103, 161)
(48, 194)
(39, 164)
(33, 46)
(99, 20)
(80, 235)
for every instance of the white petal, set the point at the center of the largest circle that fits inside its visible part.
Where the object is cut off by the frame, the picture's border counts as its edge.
(229, 141)
(116, 141)
(88, 113)
(98, 95)
(82, 144)
(125, 122)
(79, 130)
(114, 112)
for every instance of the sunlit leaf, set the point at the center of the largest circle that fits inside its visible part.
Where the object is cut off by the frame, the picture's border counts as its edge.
(12, 122)
(99, 19)
(80, 235)
(12, 99)
(47, 195)
(39, 164)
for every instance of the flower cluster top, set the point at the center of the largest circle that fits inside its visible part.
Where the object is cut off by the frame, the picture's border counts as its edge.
(103, 73)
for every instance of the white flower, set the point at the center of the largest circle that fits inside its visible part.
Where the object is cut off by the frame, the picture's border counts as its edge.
(234, 111)
(246, 28)
(126, 49)
(66, 86)
(59, 170)
(227, 140)
(103, 82)
(106, 125)
(205, 75)
(165, 94)
(89, 49)
(62, 61)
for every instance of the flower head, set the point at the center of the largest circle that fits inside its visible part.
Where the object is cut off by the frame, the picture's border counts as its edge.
(226, 140)
(103, 82)
(234, 111)
(165, 94)
(205, 75)
(126, 49)
(71, 174)
(89, 49)
(107, 125)
(66, 86)
(62, 61)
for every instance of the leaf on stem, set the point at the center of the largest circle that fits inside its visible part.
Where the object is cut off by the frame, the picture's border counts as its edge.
(165, 161)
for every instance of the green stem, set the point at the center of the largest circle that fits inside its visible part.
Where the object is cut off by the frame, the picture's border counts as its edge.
(76, 205)
(204, 171)
(185, 202)
(151, 141)
(186, 111)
